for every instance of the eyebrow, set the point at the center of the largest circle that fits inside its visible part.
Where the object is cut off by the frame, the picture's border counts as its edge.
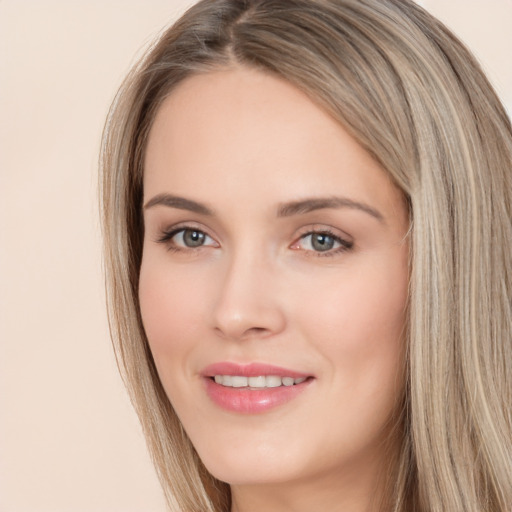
(289, 209)
(178, 202)
(318, 203)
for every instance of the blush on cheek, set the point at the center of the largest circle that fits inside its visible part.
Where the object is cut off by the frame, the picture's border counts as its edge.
(169, 310)
(157, 310)
(361, 321)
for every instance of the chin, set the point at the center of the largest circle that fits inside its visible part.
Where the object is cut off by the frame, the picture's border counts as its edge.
(249, 472)
(259, 463)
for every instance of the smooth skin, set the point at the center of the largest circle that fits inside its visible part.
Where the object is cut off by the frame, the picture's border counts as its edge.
(235, 269)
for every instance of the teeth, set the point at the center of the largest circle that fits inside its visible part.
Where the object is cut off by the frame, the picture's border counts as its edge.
(239, 382)
(257, 382)
(263, 381)
(273, 382)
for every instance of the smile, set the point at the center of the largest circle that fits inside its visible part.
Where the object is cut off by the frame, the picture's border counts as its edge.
(253, 388)
(259, 382)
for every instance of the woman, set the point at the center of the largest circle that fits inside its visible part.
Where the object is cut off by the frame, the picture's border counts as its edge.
(307, 218)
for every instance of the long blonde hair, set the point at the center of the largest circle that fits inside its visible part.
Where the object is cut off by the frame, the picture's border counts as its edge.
(415, 98)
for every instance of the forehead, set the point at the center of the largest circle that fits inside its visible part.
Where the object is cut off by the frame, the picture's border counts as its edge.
(253, 133)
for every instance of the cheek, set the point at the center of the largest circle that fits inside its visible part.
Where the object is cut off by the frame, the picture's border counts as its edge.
(357, 322)
(360, 305)
(169, 307)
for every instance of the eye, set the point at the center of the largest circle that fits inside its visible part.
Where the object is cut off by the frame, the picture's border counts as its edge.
(186, 238)
(322, 242)
(190, 238)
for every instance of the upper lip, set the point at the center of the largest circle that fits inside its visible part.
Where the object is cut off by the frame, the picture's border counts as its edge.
(250, 370)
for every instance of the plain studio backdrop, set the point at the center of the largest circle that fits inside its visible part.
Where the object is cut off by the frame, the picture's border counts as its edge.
(69, 440)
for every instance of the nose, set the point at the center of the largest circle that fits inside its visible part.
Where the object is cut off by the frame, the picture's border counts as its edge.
(248, 303)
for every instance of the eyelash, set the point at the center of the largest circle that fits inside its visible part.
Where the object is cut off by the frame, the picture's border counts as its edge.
(167, 238)
(344, 245)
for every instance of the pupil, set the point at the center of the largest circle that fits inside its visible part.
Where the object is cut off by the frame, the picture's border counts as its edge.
(193, 238)
(322, 242)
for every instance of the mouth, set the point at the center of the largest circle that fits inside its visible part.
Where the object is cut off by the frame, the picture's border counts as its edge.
(253, 388)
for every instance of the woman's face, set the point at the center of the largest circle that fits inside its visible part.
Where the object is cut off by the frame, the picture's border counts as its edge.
(274, 281)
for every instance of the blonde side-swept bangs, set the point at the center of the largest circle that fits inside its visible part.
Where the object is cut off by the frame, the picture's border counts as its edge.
(416, 99)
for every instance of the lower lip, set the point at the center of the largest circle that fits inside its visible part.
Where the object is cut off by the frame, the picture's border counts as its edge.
(252, 401)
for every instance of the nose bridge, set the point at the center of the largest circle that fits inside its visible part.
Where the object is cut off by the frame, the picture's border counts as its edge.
(248, 303)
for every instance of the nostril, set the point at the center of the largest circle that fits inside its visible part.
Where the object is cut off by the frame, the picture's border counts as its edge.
(241, 334)
(257, 329)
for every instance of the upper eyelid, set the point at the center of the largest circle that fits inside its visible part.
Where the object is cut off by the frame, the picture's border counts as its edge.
(181, 226)
(322, 228)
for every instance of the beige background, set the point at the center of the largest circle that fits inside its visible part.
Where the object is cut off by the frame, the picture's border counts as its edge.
(69, 441)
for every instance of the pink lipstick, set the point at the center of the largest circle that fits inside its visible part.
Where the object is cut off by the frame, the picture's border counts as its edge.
(252, 388)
